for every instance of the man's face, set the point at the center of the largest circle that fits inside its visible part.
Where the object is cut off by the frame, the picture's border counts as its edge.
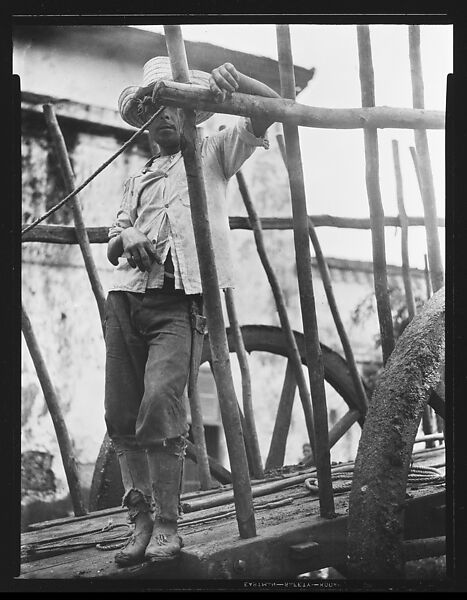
(165, 129)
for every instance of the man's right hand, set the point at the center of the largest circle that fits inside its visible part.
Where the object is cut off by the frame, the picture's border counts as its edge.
(137, 249)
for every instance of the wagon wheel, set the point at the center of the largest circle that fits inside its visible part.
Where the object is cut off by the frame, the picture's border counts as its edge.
(376, 518)
(106, 488)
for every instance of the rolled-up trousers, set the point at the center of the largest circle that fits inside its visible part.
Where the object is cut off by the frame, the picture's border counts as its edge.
(148, 345)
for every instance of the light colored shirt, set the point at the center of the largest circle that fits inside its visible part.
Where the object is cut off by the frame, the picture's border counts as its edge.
(156, 202)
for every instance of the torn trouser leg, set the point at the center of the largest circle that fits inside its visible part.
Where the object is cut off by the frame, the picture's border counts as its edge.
(138, 500)
(166, 471)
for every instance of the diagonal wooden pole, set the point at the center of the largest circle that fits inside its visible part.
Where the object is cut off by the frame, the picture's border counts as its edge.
(427, 418)
(53, 404)
(281, 426)
(305, 282)
(211, 297)
(374, 195)
(424, 163)
(81, 233)
(328, 290)
(409, 297)
(249, 423)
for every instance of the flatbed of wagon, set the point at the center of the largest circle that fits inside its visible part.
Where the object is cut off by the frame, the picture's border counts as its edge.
(291, 536)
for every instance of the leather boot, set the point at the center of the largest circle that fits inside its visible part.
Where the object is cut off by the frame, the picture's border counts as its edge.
(138, 500)
(166, 471)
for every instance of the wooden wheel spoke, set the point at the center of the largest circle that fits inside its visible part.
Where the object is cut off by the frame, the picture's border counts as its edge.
(342, 426)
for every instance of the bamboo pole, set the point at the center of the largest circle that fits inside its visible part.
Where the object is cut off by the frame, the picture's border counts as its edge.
(294, 355)
(81, 234)
(424, 162)
(409, 297)
(53, 404)
(211, 297)
(305, 282)
(327, 284)
(288, 111)
(374, 195)
(64, 234)
(257, 465)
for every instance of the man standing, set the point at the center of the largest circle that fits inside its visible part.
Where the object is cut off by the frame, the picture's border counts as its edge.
(156, 284)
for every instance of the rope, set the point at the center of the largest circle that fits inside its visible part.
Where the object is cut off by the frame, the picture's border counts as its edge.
(45, 549)
(416, 475)
(91, 177)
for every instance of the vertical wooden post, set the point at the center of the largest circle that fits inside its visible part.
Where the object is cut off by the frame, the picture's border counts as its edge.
(305, 282)
(424, 163)
(427, 418)
(409, 297)
(211, 296)
(277, 456)
(374, 195)
(327, 285)
(53, 404)
(257, 465)
(81, 233)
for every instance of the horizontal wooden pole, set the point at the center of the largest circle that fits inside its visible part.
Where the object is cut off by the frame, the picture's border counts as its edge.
(294, 113)
(64, 234)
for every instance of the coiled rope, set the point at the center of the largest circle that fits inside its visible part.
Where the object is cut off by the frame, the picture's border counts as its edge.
(416, 475)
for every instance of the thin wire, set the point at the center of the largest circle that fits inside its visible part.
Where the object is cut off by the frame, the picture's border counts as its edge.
(91, 177)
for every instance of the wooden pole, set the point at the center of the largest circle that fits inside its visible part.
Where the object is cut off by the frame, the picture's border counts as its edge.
(409, 297)
(197, 429)
(30, 226)
(427, 189)
(283, 110)
(374, 195)
(327, 285)
(277, 447)
(63, 234)
(61, 153)
(427, 417)
(211, 297)
(216, 469)
(431, 221)
(257, 465)
(343, 425)
(294, 355)
(305, 282)
(427, 278)
(53, 404)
